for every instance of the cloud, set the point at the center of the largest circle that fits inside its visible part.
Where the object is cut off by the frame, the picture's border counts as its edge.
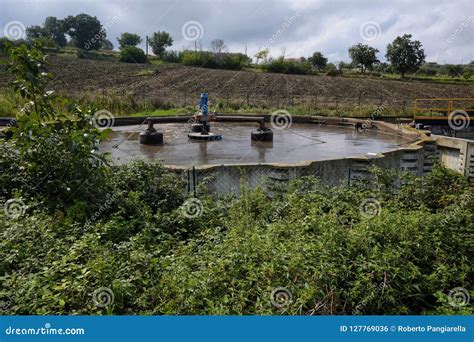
(331, 27)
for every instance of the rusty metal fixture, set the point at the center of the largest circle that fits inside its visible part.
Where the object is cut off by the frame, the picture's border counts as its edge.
(151, 138)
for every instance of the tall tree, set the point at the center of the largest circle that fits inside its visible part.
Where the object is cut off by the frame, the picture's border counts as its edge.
(318, 61)
(55, 29)
(128, 39)
(86, 31)
(159, 41)
(363, 56)
(34, 32)
(405, 55)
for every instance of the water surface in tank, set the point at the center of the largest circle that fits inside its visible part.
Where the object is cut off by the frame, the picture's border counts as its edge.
(298, 143)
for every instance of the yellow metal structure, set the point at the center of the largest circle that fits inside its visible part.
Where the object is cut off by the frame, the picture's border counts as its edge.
(446, 106)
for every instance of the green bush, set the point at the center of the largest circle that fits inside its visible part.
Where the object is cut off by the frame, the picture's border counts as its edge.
(170, 56)
(206, 59)
(331, 70)
(288, 67)
(313, 240)
(132, 54)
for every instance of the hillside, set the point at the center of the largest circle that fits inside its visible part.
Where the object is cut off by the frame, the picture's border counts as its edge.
(181, 84)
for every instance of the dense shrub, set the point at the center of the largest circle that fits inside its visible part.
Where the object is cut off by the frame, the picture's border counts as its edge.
(132, 54)
(88, 54)
(332, 70)
(313, 240)
(288, 67)
(170, 56)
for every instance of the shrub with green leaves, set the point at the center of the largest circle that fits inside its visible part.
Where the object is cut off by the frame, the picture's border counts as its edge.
(132, 54)
(222, 60)
(288, 67)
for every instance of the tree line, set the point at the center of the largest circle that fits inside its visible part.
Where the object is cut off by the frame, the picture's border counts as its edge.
(404, 54)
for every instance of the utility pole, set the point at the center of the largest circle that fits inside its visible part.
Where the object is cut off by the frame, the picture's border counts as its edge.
(146, 46)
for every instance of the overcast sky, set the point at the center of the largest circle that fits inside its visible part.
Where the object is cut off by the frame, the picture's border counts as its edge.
(300, 27)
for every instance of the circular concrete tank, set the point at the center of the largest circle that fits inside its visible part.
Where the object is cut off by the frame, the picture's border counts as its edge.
(308, 139)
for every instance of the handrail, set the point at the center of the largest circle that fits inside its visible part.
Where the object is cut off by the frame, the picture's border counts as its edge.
(225, 118)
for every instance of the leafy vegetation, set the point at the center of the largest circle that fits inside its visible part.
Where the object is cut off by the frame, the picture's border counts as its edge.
(318, 60)
(128, 39)
(283, 66)
(81, 225)
(159, 41)
(132, 54)
(363, 56)
(405, 55)
(222, 60)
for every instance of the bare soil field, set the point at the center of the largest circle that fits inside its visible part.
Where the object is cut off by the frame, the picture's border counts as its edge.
(182, 84)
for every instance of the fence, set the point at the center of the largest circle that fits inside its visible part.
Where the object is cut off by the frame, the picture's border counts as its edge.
(273, 179)
(308, 103)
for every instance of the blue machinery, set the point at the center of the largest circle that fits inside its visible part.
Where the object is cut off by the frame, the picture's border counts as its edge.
(201, 129)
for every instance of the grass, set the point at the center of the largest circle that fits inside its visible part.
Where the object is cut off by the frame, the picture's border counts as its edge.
(145, 72)
(126, 105)
(364, 112)
(165, 112)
